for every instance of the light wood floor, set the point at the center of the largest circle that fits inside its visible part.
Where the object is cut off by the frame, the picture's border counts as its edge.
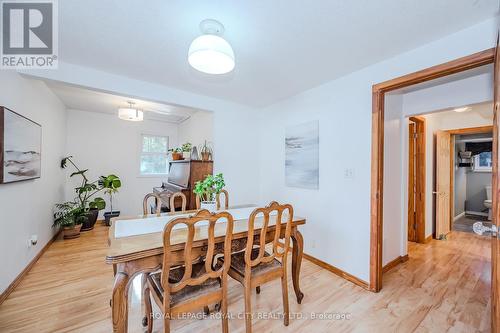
(445, 286)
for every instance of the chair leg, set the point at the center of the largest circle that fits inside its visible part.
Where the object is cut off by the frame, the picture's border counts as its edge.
(257, 289)
(206, 309)
(147, 320)
(223, 307)
(166, 323)
(284, 289)
(248, 307)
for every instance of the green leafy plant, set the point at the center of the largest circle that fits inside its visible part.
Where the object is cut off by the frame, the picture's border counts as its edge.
(186, 148)
(210, 186)
(175, 150)
(75, 212)
(111, 184)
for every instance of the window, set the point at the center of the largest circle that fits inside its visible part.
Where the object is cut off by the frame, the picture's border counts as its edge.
(153, 155)
(482, 161)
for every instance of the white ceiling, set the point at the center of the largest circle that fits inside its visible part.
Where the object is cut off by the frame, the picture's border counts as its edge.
(282, 47)
(88, 100)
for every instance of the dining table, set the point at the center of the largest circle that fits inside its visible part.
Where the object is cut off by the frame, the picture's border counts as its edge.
(136, 247)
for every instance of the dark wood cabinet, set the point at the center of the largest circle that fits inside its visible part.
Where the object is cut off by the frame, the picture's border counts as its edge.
(182, 177)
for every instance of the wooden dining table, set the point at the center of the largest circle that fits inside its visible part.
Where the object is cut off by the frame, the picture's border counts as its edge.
(143, 253)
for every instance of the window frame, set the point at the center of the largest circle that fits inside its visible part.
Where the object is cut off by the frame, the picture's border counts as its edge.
(478, 168)
(141, 153)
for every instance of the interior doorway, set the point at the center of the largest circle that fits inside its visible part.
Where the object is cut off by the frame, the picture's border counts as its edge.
(491, 56)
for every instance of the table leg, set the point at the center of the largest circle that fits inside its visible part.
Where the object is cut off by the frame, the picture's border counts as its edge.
(297, 250)
(120, 302)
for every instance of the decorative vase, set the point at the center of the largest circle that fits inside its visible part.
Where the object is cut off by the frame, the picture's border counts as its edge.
(211, 206)
(91, 219)
(194, 154)
(72, 232)
(177, 156)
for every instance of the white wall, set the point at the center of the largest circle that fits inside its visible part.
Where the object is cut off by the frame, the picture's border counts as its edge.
(197, 129)
(338, 214)
(105, 144)
(26, 207)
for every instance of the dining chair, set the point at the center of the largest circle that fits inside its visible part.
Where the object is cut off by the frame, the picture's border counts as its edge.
(172, 201)
(145, 209)
(191, 281)
(256, 266)
(226, 200)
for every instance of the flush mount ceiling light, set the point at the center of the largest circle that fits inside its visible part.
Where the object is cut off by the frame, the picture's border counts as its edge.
(210, 53)
(462, 109)
(130, 113)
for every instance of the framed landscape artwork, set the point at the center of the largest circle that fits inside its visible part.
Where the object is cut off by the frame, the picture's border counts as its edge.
(302, 155)
(20, 147)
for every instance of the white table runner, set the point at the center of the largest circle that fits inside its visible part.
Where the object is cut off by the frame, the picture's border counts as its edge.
(142, 226)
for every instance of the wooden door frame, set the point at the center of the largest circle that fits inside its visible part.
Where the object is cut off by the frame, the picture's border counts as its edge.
(453, 133)
(420, 178)
(377, 159)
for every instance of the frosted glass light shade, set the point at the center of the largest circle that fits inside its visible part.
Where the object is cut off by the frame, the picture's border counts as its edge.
(211, 54)
(130, 114)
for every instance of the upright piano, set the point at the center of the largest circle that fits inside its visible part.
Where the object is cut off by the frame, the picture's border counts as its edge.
(181, 178)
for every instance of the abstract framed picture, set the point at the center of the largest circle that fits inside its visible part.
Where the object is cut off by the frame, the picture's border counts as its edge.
(302, 155)
(20, 147)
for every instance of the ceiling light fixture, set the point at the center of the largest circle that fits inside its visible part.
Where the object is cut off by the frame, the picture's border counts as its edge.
(210, 53)
(130, 113)
(462, 109)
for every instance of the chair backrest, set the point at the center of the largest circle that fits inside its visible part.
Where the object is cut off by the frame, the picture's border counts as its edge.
(191, 255)
(226, 200)
(145, 209)
(283, 219)
(172, 201)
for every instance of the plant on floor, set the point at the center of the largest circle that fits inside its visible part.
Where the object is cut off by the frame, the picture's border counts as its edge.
(111, 184)
(84, 208)
(209, 187)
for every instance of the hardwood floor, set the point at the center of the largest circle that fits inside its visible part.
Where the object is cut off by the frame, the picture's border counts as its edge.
(444, 287)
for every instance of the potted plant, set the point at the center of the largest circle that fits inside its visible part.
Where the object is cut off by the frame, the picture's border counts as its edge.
(208, 189)
(69, 216)
(86, 201)
(176, 154)
(206, 152)
(186, 150)
(111, 184)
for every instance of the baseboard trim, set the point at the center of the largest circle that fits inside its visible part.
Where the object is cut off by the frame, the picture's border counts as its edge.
(471, 212)
(349, 277)
(428, 239)
(26, 270)
(391, 264)
(458, 216)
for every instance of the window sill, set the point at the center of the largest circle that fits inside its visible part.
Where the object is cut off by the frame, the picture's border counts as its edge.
(482, 171)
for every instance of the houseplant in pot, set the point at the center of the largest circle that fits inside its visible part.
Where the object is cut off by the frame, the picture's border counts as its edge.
(111, 184)
(186, 150)
(207, 189)
(86, 199)
(206, 152)
(69, 216)
(176, 154)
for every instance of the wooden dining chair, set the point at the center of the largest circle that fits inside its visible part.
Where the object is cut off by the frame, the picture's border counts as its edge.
(172, 201)
(226, 200)
(194, 282)
(256, 266)
(145, 209)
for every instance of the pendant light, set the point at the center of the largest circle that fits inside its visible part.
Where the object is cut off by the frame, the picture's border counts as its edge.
(130, 113)
(210, 53)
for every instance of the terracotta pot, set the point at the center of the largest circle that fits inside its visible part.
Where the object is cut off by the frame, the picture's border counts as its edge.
(205, 156)
(72, 232)
(177, 156)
